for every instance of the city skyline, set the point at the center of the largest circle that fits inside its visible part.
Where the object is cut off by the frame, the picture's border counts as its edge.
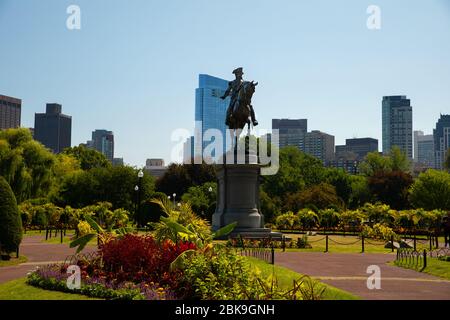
(137, 78)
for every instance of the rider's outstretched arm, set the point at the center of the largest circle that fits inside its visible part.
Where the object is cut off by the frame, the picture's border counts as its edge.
(227, 92)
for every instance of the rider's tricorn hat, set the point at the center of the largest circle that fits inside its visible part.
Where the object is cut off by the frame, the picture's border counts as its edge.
(238, 70)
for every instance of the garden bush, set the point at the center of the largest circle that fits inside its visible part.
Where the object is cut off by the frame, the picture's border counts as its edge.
(141, 258)
(10, 221)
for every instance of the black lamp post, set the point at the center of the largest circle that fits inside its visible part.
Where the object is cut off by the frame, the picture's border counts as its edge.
(138, 191)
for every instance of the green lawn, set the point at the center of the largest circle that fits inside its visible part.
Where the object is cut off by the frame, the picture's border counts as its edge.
(285, 278)
(19, 290)
(434, 267)
(14, 261)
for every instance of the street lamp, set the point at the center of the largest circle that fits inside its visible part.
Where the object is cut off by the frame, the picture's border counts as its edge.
(138, 191)
(174, 196)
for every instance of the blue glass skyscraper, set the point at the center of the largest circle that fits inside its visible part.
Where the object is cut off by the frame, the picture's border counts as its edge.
(210, 110)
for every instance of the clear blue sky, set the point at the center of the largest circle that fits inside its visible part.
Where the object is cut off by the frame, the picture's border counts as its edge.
(133, 67)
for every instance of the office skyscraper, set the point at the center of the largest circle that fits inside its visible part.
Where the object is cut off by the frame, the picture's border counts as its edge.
(10, 111)
(319, 145)
(291, 131)
(53, 129)
(360, 147)
(424, 150)
(441, 140)
(103, 141)
(397, 124)
(210, 110)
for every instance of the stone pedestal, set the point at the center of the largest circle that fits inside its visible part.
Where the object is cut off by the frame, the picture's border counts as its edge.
(238, 198)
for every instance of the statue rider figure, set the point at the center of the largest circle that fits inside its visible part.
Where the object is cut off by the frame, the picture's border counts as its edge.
(233, 90)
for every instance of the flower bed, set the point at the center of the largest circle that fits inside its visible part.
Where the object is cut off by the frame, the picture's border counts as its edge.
(132, 267)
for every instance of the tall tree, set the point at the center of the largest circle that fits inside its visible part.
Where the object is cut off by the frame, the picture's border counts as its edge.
(431, 190)
(297, 171)
(25, 164)
(391, 188)
(88, 158)
(10, 221)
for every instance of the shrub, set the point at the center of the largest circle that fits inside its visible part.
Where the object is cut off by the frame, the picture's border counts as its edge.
(308, 218)
(10, 222)
(287, 221)
(379, 231)
(141, 258)
(329, 218)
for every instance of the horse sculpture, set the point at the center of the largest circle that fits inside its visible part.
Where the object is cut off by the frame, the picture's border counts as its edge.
(241, 110)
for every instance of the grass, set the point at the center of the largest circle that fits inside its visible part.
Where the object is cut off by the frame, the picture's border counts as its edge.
(285, 278)
(19, 290)
(14, 261)
(434, 267)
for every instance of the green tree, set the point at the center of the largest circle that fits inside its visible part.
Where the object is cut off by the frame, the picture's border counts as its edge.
(447, 160)
(10, 222)
(341, 181)
(202, 200)
(374, 162)
(391, 188)
(88, 158)
(360, 191)
(297, 171)
(114, 184)
(25, 164)
(270, 206)
(180, 177)
(431, 190)
(321, 196)
(396, 160)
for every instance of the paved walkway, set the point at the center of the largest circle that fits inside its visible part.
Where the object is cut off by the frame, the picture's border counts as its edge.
(347, 271)
(38, 253)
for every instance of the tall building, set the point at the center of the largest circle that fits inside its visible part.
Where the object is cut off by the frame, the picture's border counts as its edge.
(117, 162)
(319, 145)
(397, 124)
(210, 110)
(441, 140)
(103, 141)
(423, 150)
(417, 134)
(10, 112)
(291, 131)
(155, 167)
(53, 129)
(358, 146)
(188, 150)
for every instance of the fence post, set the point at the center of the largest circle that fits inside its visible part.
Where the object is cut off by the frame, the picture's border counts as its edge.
(424, 258)
(326, 243)
(362, 244)
(415, 243)
(273, 255)
(392, 243)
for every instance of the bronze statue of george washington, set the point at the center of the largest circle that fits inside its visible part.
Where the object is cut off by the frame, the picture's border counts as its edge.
(238, 91)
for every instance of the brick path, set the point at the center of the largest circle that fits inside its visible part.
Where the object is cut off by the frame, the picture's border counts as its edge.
(38, 253)
(347, 271)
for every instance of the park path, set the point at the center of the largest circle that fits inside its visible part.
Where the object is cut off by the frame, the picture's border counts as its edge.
(347, 271)
(38, 253)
